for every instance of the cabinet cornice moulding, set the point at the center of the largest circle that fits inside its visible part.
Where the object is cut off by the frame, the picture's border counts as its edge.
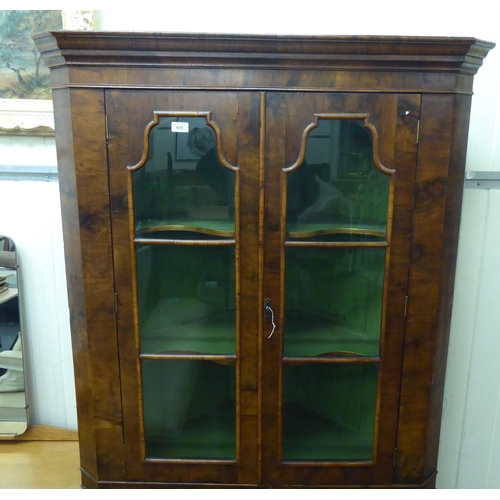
(26, 117)
(436, 54)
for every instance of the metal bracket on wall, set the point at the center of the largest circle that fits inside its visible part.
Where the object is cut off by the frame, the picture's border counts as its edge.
(27, 173)
(482, 180)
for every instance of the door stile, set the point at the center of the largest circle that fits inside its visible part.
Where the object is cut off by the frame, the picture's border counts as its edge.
(260, 314)
(275, 148)
(249, 275)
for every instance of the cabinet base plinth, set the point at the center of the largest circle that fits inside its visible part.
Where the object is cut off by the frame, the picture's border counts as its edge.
(90, 482)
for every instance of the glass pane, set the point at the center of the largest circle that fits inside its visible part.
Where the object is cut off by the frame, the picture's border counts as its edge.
(338, 190)
(192, 412)
(329, 411)
(187, 299)
(183, 186)
(333, 301)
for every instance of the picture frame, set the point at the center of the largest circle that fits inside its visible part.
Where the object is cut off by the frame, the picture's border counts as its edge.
(26, 117)
(26, 109)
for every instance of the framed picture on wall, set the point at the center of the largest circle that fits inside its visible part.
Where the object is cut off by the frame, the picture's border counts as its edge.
(23, 75)
(25, 94)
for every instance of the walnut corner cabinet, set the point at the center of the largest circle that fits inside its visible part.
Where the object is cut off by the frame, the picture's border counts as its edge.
(260, 237)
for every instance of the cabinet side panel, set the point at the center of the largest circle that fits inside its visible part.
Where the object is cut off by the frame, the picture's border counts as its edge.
(438, 195)
(74, 277)
(454, 196)
(88, 243)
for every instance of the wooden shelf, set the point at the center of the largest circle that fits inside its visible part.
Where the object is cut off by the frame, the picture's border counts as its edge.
(221, 228)
(313, 230)
(225, 228)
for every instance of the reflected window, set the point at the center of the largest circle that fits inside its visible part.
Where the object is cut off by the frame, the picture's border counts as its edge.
(338, 190)
(13, 405)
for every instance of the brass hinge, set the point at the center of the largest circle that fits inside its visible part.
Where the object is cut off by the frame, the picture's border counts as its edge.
(418, 132)
(116, 303)
(406, 305)
(106, 125)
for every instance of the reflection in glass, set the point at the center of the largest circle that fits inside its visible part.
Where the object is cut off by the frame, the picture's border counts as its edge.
(329, 411)
(333, 301)
(192, 412)
(337, 190)
(13, 413)
(183, 186)
(187, 298)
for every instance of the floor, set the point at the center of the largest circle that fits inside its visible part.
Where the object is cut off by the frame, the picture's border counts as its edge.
(39, 464)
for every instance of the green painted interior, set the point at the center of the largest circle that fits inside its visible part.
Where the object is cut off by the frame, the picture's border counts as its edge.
(333, 297)
(189, 409)
(187, 299)
(329, 411)
(333, 300)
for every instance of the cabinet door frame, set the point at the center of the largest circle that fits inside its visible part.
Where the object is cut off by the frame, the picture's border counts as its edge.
(234, 116)
(393, 120)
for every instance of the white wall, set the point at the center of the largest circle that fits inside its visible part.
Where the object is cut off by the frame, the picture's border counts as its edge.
(470, 431)
(31, 216)
(470, 442)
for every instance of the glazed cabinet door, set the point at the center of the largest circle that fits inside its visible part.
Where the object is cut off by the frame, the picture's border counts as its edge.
(261, 253)
(339, 179)
(184, 183)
